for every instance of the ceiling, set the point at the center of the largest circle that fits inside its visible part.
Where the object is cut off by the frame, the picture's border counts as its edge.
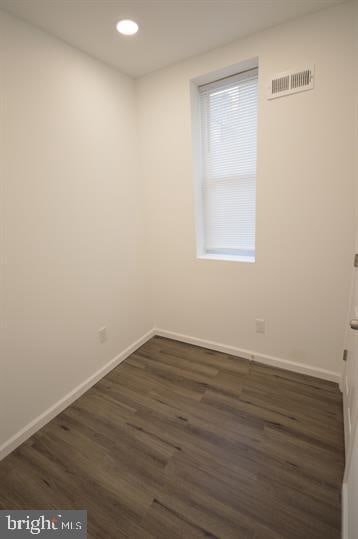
(170, 30)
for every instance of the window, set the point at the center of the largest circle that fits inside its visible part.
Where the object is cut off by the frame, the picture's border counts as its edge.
(228, 114)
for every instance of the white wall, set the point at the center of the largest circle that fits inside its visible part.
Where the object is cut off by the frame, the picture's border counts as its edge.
(71, 221)
(305, 203)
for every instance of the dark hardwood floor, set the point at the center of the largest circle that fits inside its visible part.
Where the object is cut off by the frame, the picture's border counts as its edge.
(183, 442)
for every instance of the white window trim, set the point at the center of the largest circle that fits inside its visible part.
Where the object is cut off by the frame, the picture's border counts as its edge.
(228, 258)
(201, 252)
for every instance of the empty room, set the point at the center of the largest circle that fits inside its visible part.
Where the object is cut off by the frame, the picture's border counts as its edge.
(179, 269)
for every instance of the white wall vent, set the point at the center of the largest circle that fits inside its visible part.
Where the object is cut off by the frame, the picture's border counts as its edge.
(291, 82)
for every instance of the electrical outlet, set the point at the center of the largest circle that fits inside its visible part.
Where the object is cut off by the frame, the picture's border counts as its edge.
(102, 334)
(260, 325)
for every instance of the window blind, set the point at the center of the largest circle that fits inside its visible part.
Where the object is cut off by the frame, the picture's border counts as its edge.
(228, 136)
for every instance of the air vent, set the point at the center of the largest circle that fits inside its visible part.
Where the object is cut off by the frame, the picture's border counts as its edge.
(291, 82)
(280, 84)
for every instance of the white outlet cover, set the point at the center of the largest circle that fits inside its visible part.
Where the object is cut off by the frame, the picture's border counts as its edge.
(102, 334)
(260, 325)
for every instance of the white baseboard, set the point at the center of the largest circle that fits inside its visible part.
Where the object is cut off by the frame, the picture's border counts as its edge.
(68, 399)
(252, 355)
(346, 419)
(344, 511)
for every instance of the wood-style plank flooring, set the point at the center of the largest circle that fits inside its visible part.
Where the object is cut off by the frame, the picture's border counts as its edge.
(184, 442)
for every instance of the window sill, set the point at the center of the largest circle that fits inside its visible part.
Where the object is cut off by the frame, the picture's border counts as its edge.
(229, 258)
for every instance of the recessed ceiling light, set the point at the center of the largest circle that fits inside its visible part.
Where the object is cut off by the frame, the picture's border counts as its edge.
(127, 27)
